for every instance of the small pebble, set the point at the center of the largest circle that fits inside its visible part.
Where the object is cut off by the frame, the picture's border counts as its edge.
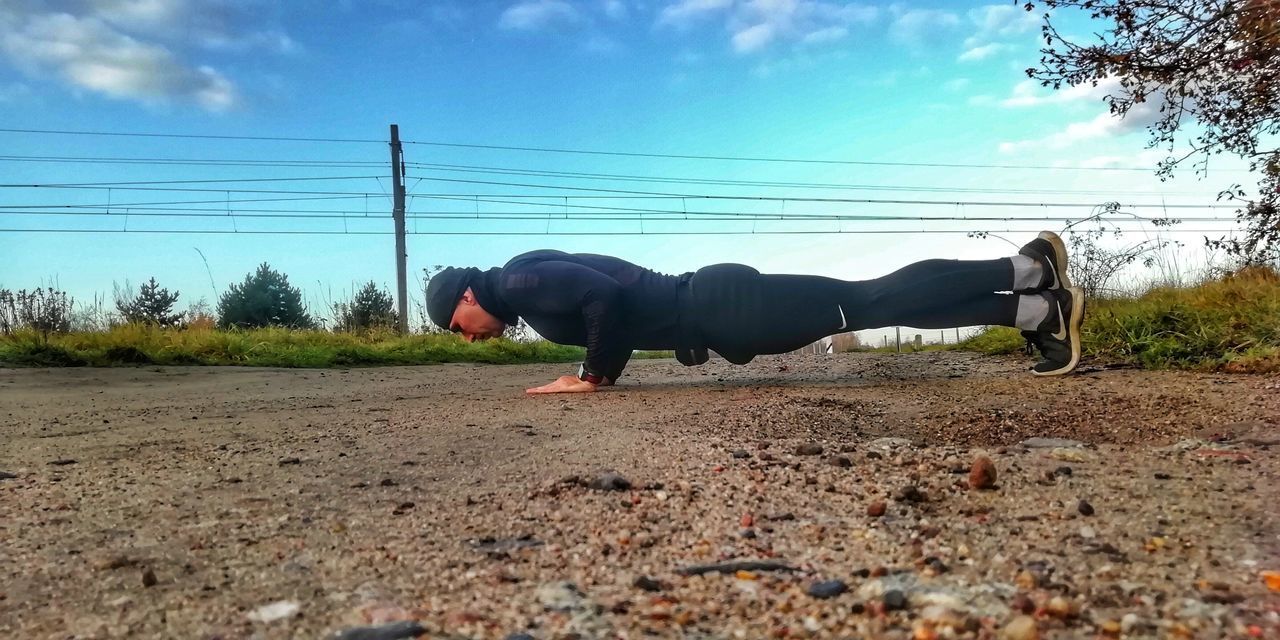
(1162, 476)
(285, 461)
(894, 600)
(5, 475)
(1084, 508)
(62, 462)
(275, 611)
(1059, 607)
(1064, 470)
(1020, 628)
(393, 631)
(876, 509)
(645, 583)
(910, 493)
(609, 481)
(936, 565)
(520, 636)
(840, 461)
(148, 578)
(387, 482)
(827, 589)
(809, 449)
(982, 475)
(740, 454)
(1023, 604)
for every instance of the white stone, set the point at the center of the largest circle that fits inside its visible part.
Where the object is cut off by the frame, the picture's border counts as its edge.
(275, 611)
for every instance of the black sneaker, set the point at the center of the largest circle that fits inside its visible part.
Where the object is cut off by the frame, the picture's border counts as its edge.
(1050, 253)
(1058, 337)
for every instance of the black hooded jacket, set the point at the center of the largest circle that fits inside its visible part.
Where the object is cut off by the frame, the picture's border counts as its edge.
(605, 304)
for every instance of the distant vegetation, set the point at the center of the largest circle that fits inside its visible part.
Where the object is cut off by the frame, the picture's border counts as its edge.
(270, 347)
(261, 321)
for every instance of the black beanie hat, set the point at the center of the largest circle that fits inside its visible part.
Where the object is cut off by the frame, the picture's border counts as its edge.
(444, 289)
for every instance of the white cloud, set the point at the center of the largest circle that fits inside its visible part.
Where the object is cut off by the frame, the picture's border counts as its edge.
(1000, 21)
(981, 53)
(683, 13)
(980, 100)
(1027, 93)
(220, 25)
(914, 27)
(753, 38)
(88, 53)
(139, 49)
(535, 15)
(1101, 126)
(828, 34)
(956, 84)
(754, 25)
(615, 9)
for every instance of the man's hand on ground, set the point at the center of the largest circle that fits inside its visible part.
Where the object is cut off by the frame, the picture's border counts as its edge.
(564, 384)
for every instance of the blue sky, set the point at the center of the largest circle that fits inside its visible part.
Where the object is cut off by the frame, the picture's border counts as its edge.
(917, 83)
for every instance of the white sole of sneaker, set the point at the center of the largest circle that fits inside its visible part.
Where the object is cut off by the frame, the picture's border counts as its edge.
(1059, 255)
(1073, 334)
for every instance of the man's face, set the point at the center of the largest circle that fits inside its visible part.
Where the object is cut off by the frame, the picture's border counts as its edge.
(473, 322)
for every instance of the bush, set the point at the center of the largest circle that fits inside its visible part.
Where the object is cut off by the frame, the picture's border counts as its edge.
(264, 299)
(372, 307)
(45, 311)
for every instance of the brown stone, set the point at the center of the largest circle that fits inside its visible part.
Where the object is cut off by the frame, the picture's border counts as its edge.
(982, 475)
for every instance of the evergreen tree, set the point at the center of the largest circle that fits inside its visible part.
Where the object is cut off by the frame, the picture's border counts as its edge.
(371, 307)
(264, 299)
(152, 305)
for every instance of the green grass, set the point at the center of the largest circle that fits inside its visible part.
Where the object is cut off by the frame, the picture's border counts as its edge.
(652, 355)
(1230, 324)
(137, 345)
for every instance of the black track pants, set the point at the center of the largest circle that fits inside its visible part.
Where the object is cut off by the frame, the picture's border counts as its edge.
(742, 313)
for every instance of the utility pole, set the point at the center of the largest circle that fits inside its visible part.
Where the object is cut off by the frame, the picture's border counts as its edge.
(898, 338)
(397, 213)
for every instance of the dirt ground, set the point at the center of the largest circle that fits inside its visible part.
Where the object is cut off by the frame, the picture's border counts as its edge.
(228, 503)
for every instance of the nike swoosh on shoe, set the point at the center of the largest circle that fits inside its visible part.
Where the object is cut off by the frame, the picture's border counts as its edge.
(1061, 334)
(843, 322)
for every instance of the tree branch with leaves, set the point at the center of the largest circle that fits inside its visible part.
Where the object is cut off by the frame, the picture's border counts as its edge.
(1211, 65)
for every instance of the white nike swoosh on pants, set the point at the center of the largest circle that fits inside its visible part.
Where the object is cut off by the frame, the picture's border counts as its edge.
(843, 323)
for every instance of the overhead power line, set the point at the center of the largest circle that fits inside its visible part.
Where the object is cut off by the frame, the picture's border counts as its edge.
(678, 156)
(191, 161)
(186, 135)
(756, 183)
(562, 233)
(592, 152)
(696, 216)
(808, 199)
(70, 185)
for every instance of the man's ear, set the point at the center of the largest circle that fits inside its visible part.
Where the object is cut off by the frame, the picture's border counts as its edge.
(468, 297)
